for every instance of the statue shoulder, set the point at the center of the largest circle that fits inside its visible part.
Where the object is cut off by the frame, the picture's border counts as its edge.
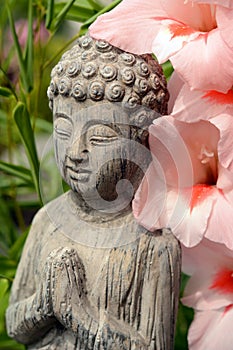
(45, 213)
(162, 239)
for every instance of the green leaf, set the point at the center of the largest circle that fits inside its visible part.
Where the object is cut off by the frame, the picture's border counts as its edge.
(29, 204)
(3, 304)
(95, 5)
(7, 267)
(49, 13)
(184, 319)
(9, 344)
(4, 286)
(4, 297)
(61, 15)
(7, 229)
(5, 92)
(76, 13)
(22, 64)
(6, 184)
(44, 125)
(85, 25)
(16, 170)
(167, 69)
(22, 120)
(29, 48)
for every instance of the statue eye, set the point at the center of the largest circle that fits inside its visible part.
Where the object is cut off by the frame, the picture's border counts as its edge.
(101, 135)
(95, 139)
(63, 128)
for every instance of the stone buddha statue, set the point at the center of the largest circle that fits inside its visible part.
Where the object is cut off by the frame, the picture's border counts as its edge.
(90, 277)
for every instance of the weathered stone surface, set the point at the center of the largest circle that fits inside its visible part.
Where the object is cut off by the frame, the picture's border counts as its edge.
(90, 277)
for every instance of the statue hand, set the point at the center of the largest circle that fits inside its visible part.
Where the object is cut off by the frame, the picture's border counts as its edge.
(67, 285)
(43, 300)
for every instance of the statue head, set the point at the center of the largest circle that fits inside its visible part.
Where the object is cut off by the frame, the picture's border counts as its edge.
(103, 100)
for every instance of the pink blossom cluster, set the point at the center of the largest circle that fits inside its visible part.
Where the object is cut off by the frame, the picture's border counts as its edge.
(189, 183)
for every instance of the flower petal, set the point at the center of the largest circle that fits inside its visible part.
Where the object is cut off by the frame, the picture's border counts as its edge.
(149, 201)
(199, 295)
(211, 330)
(224, 18)
(198, 59)
(221, 221)
(175, 85)
(191, 106)
(211, 267)
(223, 281)
(170, 169)
(193, 224)
(133, 24)
(175, 168)
(130, 26)
(154, 207)
(224, 123)
(207, 254)
(225, 182)
(171, 37)
(225, 3)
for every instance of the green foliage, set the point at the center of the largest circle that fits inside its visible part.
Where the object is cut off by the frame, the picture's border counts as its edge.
(5, 92)
(22, 120)
(59, 18)
(26, 60)
(89, 21)
(17, 171)
(167, 69)
(33, 35)
(184, 319)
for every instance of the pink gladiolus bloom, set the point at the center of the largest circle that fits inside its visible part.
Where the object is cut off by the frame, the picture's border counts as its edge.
(197, 37)
(186, 186)
(211, 330)
(210, 293)
(192, 106)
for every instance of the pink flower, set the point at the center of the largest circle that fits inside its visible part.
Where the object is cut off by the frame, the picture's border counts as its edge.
(225, 3)
(21, 27)
(197, 37)
(210, 292)
(192, 106)
(211, 330)
(189, 183)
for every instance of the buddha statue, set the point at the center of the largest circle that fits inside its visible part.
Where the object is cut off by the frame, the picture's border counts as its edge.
(90, 277)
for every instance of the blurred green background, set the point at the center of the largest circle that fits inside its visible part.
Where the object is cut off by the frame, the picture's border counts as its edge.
(33, 35)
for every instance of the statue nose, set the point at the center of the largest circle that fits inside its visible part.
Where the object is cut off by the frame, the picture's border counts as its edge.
(78, 156)
(77, 151)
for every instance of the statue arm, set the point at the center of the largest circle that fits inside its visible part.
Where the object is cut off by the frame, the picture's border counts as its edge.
(26, 322)
(160, 291)
(29, 314)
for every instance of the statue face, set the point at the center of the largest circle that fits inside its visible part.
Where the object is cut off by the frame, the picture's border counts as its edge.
(93, 148)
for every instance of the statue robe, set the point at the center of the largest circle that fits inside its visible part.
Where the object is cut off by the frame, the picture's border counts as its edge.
(128, 298)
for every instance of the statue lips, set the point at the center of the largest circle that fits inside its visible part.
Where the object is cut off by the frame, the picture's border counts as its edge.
(78, 174)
